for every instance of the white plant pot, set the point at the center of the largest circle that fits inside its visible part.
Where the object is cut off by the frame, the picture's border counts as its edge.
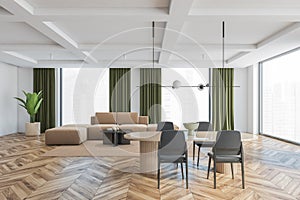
(32, 129)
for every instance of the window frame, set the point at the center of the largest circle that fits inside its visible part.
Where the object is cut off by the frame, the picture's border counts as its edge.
(260, 95)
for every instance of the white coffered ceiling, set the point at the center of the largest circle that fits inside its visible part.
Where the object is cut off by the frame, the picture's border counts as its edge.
(97, 33)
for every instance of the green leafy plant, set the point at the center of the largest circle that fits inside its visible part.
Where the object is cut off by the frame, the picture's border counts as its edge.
(31, 104)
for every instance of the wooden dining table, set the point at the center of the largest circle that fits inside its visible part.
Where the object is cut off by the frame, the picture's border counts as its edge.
(149, 147)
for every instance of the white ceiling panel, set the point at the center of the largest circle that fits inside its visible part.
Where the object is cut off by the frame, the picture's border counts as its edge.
(122, 32)
(21, 33)
(44, 55)
(69, 29)
(253, 4)
(98, 3)
(236, 32)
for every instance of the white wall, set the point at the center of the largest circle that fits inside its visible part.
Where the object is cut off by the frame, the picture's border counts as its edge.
(253, 102)
(8, 105)
(25, 82)
(241, 99)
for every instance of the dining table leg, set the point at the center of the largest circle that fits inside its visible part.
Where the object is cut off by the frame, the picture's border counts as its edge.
(225, 168)
(148, 157)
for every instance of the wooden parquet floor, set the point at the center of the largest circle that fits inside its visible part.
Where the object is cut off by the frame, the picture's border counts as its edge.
(272, 172)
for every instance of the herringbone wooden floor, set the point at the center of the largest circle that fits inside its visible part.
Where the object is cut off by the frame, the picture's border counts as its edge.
(272, 172)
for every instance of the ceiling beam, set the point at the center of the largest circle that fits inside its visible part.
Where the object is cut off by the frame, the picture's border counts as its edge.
(129, 63)
(179, 10)
(99, 11)
(286, 30)
(267, 42)
(267, 11)
(121, 47)
(243, 18)
(22, 9)
(17, 59)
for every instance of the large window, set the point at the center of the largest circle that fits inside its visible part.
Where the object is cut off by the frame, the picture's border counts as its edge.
(84, 91)
(185, 104)
(280, 97)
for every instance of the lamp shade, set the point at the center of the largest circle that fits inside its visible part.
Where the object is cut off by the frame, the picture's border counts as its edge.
(176, 84)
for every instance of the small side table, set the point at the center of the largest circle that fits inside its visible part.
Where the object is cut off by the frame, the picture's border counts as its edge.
(115, 138)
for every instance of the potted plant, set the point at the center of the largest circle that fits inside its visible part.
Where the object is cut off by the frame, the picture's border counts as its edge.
(32, 104)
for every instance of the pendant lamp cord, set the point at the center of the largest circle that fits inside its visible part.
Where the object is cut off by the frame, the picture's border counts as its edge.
(153, 25)
(223, 44)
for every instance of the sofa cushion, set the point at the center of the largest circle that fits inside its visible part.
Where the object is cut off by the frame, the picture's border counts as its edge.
(144, 120)
(106, 117)
(127, 117)
(134, 127)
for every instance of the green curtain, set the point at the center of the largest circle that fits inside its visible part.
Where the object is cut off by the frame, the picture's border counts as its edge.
(150, 94)
(223, 99)
(119, 89)
(44, 79)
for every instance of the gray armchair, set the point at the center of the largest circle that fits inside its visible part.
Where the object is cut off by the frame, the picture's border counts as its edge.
(172, 149)
(203, 126)
(165, 126)
(227, 149)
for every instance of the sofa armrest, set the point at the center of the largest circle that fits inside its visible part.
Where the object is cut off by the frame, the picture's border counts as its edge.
(144, 120)
(94, 120)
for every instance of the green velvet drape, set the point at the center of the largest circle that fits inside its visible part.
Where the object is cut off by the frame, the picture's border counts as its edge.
(150, 94)
(119, 89)
(44, 79)
(223, 99)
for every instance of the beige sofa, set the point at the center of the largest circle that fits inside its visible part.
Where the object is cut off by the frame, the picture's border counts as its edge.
(78, 133)
(123, 120)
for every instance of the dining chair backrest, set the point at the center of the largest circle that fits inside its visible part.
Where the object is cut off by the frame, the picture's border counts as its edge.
(204, 126)
(165, 126)
(172, 143)
(228, 143)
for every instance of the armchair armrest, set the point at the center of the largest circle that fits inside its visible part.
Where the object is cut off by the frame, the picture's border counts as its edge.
(144, 120)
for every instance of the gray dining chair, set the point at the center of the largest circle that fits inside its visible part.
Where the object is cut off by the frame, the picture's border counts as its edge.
(203, 126)
(172, 149)
(165, 126)
(227, 149)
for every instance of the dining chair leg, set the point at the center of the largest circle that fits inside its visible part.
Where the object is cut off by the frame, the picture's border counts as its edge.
(199, 147)
(208, 169)
(243, 175)
(182, 170)
(187, 173)
(215, 173)
(158, 174)
(194, 150)
(232, 175)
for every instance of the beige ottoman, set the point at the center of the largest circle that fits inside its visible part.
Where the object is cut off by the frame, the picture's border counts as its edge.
(66, 135)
